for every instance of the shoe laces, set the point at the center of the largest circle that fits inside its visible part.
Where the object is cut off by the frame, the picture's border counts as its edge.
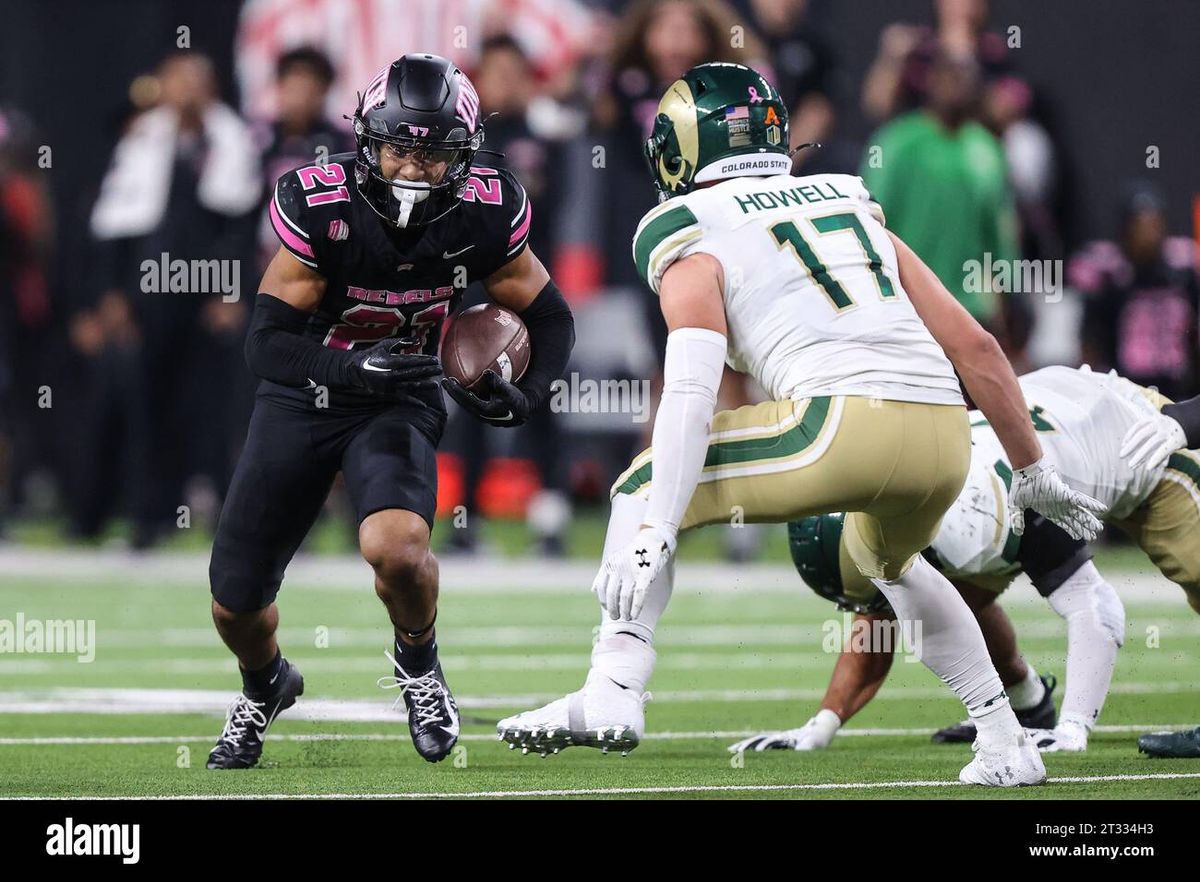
(424, 691)
(243, 712)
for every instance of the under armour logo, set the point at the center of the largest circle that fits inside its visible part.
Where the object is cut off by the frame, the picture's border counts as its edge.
(642, 557)
(754, 96)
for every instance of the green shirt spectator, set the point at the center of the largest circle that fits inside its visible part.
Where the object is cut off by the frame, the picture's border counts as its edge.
(945, 192)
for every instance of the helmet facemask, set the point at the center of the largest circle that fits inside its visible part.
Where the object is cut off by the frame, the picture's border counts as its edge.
(443, 166)
(671, 171)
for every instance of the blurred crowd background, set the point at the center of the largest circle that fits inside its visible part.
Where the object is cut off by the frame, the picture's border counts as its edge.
(1061, 132)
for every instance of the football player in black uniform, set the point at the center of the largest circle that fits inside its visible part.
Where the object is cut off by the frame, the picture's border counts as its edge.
(377, 247)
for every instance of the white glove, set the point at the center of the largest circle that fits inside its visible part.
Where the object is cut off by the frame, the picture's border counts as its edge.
(813, 735)
(626, 574)
(1039, 487)
(1066, 737)
(1151, 440)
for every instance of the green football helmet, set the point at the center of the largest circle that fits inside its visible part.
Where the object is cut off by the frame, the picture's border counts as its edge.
(823, 564)
(720, 120)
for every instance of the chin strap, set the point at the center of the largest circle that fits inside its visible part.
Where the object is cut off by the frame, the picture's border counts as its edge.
(408, 200)
(814, 144)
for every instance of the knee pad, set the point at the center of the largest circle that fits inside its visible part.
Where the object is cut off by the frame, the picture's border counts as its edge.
(241, 582)
(1087, 589)
(1110, 610)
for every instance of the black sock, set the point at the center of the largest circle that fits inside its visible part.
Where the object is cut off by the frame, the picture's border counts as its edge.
(263, 681)
(416, 660)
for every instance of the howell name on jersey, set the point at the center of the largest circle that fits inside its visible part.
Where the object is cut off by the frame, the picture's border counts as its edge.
(804, 194)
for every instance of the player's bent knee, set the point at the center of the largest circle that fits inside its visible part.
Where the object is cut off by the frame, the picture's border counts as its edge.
(242, 620)
(396, 545)
(1110, 611)
(223, 616)
(240, 591)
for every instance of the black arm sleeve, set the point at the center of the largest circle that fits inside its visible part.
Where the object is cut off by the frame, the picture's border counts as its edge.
(277, 349)
(551, 339)
(1187, 414)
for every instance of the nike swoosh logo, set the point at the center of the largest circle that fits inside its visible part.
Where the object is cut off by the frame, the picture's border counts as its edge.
(446, 255)
(504, 419)
(273, 679)
(367, 366)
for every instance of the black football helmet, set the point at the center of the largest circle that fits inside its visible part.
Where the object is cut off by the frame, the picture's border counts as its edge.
(423, 109)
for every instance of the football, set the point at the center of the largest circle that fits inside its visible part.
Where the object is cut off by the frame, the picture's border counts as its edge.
(485, 337)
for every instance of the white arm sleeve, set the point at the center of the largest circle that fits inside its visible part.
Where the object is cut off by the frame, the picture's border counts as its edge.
(691, 376)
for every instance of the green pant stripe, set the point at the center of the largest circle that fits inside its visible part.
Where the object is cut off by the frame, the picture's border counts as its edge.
(1180, 463)
(795, 440)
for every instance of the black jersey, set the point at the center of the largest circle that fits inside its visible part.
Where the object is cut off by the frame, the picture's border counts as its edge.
(393, 284)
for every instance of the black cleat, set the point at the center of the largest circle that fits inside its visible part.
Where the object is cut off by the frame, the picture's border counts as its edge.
(1041, 716)
(247, 721)
(1171, 745)
(432, 712)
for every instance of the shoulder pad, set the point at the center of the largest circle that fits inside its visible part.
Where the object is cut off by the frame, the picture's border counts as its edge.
(304, 199)
(662, 236)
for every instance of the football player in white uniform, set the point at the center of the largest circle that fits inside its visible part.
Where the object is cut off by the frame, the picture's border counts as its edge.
(1105, 435)
(1167, 525)
(796, 281)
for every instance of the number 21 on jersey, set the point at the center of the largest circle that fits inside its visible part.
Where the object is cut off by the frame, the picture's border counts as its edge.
(787, 234)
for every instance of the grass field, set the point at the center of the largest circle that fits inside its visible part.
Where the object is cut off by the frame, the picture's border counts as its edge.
(739, 650)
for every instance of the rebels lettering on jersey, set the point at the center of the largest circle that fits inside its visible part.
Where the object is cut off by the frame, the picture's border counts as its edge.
(394, 284)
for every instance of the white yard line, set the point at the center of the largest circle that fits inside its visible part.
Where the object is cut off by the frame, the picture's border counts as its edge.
(212, 701)
(760, 639)
(780, 662)
(631, 791)
(485, 575)
(67, 740)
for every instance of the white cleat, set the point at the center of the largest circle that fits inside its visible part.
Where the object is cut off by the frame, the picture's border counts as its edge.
(601, 715)
(1017, 766)
(1063, 738)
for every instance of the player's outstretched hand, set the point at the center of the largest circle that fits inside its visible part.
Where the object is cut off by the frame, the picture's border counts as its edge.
(626, 574)
(1039, 487)
(385, 369)
(1151, 440)
(506, 404)
(813, 735)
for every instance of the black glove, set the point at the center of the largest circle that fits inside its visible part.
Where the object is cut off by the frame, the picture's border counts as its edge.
(506, 405)
(385, 370)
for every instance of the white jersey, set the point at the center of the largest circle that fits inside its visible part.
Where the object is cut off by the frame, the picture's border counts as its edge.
(812, 291)
(1080, 418)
